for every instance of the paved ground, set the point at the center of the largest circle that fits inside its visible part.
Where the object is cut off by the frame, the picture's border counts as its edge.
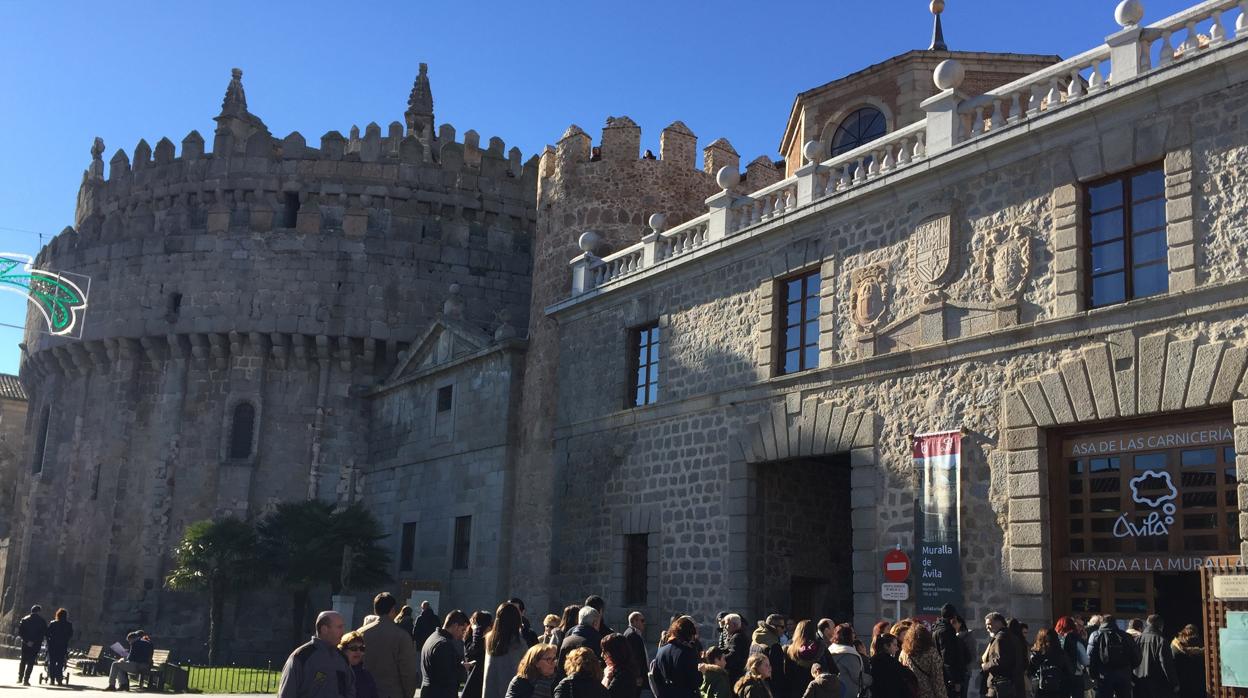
(90, 685)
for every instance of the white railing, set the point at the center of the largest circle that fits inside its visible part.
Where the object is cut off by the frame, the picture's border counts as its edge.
(1130, 52)
(1044, 90)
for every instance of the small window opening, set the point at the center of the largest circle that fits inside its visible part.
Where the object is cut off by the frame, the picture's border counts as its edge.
(463, 538)
(242, 430)
(446, 398)
(407, 547)
(636, 568)
(290, 212)
(175, 305)
(41, 444)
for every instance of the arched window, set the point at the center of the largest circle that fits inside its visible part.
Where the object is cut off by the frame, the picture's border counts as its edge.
(41, 444)
(242, 430)
(862, 126)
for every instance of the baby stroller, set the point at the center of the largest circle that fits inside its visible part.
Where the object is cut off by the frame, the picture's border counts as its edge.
(54, 672)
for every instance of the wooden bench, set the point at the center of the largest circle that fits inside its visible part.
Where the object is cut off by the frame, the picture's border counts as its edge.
(89, 664)
(154, 677)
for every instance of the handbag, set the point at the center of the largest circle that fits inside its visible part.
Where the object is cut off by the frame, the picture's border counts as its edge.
(1002, 687)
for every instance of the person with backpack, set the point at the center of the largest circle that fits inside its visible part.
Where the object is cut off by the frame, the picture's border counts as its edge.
(1112, 659)
(1071, 642)
(1049, 668)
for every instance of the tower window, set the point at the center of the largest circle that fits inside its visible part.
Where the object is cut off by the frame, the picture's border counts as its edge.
(799, 332)
(645, 365)
(242, 430)
(446, 398)
(636, 568)
(290, 211)
(859, 128)
(175, 306)
(463, 543)
(407, 547)
(41, 443)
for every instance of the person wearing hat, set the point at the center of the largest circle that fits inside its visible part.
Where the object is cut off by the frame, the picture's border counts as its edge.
(32, 629)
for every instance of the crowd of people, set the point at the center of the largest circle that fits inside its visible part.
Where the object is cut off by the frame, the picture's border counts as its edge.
(577, 655)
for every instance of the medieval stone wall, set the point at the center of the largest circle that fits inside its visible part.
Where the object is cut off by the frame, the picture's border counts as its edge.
(903, 355)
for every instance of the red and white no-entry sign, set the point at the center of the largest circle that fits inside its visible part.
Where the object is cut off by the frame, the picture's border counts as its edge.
(896, 566)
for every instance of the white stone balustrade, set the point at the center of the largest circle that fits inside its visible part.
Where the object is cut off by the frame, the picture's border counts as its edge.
(951, 118)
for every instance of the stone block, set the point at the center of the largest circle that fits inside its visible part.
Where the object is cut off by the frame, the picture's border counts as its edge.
(1229, 372)
(1028, 559)
(1065, 261)
(1150, 142)
(1026, 535)
(1027, 583)
(1181, 257)
(1180, 233)
(1033, 395)
(1026, 485)
(1178, 160)
(1065, 238)
(1016, 412)
(1239, 410)
(1241, 446)
(1079, 390)
(1065, 195)
(1023, 438)
(1058, 398)
(1182, 280)
(1204, 369)
(1025, 509)
(1151, 360)
(1178, 371)
(1068, 281)
(1241, 468)
(1086, 160)
(860, 457)
(1067, 304)
(1023, 461)
(1179, 209)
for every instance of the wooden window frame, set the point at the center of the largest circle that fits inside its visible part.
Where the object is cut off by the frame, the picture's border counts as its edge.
(652, 336)
(780, 313)
(1128, 234)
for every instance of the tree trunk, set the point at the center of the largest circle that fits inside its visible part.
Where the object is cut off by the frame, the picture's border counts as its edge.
(299, 610)
(216, 612)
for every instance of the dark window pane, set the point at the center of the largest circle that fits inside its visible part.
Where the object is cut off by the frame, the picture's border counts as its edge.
(1148, 215)
(1199, 456)
(1076, 525)
(1076, 506)
(1076, 467)
(1105, 196)
(1085, 586)
(1108, 257)
(1102, 525)
(1230, 476)
(1150, 280)
(1076, 545)
(860, 127)
(242, 430)
(1106, 226)
(407, 547)
(791, 362)
(1228, 454)
(1152, 544)
(1191, 521)
(812, 331)
(1133, 606)
(462, 543)
(1076, 486)
(1102, 485)
(793, 290)
(1148, 184)
(1199, 499)
(1109, 289)
(1106, 504)
(1099, 465)
(1106, 545)
(1129, 585)
(812, 356)
(1199, 478)
(812, 308)
(1232, 498)
(812, 285)
(1087, 605)
(1150, 461)
(1148, 247)
(1200, 542)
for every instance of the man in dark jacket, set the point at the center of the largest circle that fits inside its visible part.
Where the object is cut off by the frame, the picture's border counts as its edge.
(441, 661)
(1004, 662)
(598, 604)
(736, 647)
(31, 630)
(1112, 659)
(138, 661)
(636, 636)
(316, 669)
(1155, 677)
(426, 623)
(952, 652)
(586, 633)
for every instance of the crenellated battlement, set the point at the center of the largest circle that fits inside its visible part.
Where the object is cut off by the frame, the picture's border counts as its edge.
(357, 185)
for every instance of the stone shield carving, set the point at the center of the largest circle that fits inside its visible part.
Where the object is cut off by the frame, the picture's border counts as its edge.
(1006, 262)
(931, 249)
(869, 297)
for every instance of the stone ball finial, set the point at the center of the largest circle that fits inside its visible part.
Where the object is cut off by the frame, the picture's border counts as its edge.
(949, 74)
(813, 151)
(937, 6)
(656, 222)
(589, 241)
(1129, 13)
(727, 177)
(454, 289)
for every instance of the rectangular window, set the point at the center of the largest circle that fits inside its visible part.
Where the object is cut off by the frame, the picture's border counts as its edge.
(636, 568)
(407, 549)
(463, 538)
(446, 398)
(799, 332)
(644, 369)
(1126, 224)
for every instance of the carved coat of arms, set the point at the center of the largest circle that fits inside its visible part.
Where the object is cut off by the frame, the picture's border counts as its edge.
(931, 246)
(1006, 262)
(869, 297)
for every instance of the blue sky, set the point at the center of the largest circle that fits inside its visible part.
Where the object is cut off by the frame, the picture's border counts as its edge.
(522, 71)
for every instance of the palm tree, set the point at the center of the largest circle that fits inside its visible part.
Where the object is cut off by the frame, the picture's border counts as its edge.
(216, 556)
(307, 544)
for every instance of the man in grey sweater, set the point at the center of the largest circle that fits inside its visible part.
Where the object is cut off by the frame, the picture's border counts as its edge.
(317, 669)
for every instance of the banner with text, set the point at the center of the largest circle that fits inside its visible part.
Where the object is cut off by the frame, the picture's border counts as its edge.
(937, 528)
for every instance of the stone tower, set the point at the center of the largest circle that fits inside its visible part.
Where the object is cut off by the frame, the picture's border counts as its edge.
(611, 191)
(242, 302)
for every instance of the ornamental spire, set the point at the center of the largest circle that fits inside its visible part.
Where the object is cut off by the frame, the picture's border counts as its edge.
(235, 102)
(419, 114)
(938, 33)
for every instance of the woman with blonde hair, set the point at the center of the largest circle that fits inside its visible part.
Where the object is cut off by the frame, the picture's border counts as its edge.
(504, 648)
(754, 683)
(918, 653)
(1189, 662)
(352, 647)
(550, 626)
(535, 676)
(803, 652)
(583, 676)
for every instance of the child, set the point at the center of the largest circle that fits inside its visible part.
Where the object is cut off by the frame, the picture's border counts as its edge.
(715, 681)
(823, 684)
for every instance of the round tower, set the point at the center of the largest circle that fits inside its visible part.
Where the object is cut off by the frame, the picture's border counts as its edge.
(241, 301)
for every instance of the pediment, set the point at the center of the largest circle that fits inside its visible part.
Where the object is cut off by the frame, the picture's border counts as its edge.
(445, 341)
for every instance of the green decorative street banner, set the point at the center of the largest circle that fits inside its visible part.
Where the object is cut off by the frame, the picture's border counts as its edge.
(937, 525)
(60, 299)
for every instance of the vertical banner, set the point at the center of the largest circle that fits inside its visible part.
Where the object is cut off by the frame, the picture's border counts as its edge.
(937, 528)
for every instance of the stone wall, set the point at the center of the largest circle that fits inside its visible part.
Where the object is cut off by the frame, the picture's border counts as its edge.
(929, 356)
